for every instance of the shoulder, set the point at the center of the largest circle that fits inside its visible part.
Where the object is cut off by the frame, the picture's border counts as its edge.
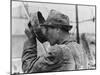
(75, 48)
(74, 45)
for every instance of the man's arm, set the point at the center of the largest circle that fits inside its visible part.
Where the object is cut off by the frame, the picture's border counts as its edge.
(32, 63)
(29, 54)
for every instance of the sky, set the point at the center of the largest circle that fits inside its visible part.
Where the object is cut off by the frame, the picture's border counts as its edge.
(84, 13)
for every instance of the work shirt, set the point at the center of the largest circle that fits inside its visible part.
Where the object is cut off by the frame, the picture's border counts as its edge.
(67, 56)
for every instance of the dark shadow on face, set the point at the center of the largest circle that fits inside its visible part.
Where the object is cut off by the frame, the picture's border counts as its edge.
(52, 35)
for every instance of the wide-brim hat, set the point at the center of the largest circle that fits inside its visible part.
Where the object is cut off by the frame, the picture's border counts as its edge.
(57, 20)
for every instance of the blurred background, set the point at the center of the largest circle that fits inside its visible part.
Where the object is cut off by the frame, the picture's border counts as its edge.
(85, 21)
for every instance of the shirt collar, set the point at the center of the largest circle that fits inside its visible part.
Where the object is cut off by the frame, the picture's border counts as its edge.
(68, 40)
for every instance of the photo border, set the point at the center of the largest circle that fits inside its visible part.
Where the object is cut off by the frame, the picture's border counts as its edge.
(51, 3)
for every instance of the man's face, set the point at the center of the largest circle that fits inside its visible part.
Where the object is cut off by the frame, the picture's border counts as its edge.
(51, 34)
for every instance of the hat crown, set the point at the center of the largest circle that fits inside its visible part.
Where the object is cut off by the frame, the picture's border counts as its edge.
(56, 17)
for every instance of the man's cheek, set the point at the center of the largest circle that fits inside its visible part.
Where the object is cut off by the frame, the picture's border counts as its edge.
(43, 31)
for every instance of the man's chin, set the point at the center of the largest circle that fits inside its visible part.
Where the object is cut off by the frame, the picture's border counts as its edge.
(52, 43)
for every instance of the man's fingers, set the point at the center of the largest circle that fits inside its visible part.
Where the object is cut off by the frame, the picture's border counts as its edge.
(29, 25)
(28, 33)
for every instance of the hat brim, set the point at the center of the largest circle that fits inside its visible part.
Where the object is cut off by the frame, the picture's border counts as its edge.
(65, 27)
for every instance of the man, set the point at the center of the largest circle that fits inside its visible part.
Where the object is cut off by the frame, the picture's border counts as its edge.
(63, 55)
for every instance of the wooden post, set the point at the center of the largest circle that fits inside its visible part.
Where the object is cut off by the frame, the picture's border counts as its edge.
(77, 25)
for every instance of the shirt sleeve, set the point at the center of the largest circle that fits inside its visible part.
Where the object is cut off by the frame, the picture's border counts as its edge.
(29, 55)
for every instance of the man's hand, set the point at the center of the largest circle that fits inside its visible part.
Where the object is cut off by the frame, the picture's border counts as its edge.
(30, 32)
(34, 26)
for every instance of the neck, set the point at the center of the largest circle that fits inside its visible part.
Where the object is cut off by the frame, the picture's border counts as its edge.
(63, 38)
